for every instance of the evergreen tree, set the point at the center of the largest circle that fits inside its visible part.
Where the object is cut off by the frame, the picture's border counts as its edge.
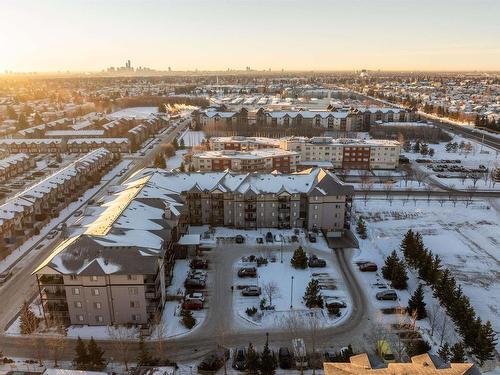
(416, 304)
(252, 361)
(144, 357)
(399, 277)
(408, 245)
(299, 258)
(361, 228)
(312, 296)
(416, 146)
(188, 319)
(175, 144)
(390, 263)
(160, 161)
(267, 361)
(11, 113)
(162, 108)
(486, 343)
(37, 119)
(457, 353)
(81, 359)
(96, 361)
(444, 352)
(28, 320)
(22, 123)
(182, 167)
(182, 145)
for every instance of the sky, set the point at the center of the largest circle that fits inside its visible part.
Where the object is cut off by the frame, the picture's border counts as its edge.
(91, 35)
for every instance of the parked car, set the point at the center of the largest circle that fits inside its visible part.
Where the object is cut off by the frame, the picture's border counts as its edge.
(284, 358)
(239, 239)
(52, 234)
(260, 240)
(195, 296)
(269, 237)
(247, 272)
(240, 359)
(336, 304)
(368, 267)
(314, 261)
(4, 276)
(312, 237)
(197, 274)
(300, 353)
(251, 291)
(199, 264)
(387, 295)
(192, 304)
(194, 283)
(78, 213)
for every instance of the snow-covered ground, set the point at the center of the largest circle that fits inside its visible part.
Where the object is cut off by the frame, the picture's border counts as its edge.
(140, 113)
(175, 161)
(192, 138)
(466, 238)
(287, 299)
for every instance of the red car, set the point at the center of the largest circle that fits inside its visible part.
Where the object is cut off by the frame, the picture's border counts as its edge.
(192, 304)
(368, 267)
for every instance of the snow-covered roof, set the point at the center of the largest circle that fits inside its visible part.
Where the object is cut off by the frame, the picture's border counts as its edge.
(19, 141)
(252, 154)
(12, 160)
(75, 133)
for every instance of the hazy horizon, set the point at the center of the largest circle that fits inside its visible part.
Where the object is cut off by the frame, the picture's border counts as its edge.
(390, 35)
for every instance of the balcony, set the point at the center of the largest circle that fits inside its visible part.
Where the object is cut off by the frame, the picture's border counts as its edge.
(250, 208)
(51, 280)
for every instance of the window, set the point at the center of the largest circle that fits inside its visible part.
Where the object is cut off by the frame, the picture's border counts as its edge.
(97, 305)
(131, 277)
(73, 277)
(98, 318)
(96, 292)
(76, 291)
(315, 216)
(93, 278)
(315, 206)
(136, 317)
(134, 304)
(79, 318)
(133, 291)
(77, 304)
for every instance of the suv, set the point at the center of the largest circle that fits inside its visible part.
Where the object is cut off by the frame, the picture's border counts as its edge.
(247, 272)
(314, 261)
(269, 237)
(194, 283)
(284, 358)
(251, 291)
(389, 295)
(192, 304)
(312, 237)
(368, 267)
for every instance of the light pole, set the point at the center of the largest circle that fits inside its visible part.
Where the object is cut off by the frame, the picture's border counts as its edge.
(291, 296)
(281, 248)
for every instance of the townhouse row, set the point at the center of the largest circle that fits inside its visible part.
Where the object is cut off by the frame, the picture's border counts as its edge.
(26, 213)
(14, 165)
(60, 145)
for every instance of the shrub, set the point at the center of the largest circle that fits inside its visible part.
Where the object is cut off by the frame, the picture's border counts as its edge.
(188, 319)
(251, 311)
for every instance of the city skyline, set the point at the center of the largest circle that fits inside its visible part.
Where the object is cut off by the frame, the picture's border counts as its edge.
(87, 35)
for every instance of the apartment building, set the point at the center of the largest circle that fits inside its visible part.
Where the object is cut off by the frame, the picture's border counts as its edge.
(346, 153)
(118, 270)
(27, 212)
(314, 198)
(372, 115)
(240, 143)
(14, 165)
(259, 160)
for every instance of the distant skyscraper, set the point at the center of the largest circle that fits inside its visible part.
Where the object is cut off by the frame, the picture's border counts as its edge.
(128, 65)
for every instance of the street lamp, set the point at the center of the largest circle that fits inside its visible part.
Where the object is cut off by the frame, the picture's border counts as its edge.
(291, 295)
(281, 248)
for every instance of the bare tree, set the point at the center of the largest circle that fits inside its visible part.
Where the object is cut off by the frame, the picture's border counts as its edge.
(313, 324)
(294, 323)
(387, 188)
(434, 315)
(475, 177)
(271, 290)
(471, 190)
(420, 176)
(441, 201)
(57, 346)
(159, 334)
(123, 337)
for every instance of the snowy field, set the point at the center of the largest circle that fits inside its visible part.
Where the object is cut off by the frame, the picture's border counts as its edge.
(140, 113)
(192, 138)
(287, 299)
(466, 238)
(175, 161)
